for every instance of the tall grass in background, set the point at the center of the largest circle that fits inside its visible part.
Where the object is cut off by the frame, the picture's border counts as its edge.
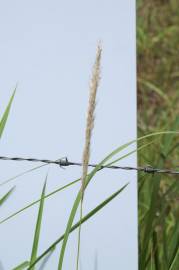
(158, 109)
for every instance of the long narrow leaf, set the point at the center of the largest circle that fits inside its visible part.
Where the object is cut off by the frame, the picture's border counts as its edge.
(38, 226)
(131, 142)
(6, 114)
(88, 179)
(174, 247)
(35, 202)
(20, 174)
(175, 259)
(128, 154)
(22, 266)
(6, 196)
(84, 219)
(71, 183)
(150, 217)
(45, 260)
(169, 138)
(23, 173)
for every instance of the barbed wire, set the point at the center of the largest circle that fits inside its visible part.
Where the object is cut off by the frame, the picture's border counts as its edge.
(63, 162)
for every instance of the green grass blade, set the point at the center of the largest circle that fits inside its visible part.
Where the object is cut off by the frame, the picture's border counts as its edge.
(156, 251)
(78, 199)
(139, 139)
(45, 260)
(128, 154)
(175, 259)
(22, 266)
(150, 217)
(84, 219)
(6, 196)
(131, 142)
(23, 173)
(6, 114)
(165, 246)
(149, 222)
(174, 247)
(71, 183)
(156, 89)
(38, 226)
(88, 179)
(116, 151)
(35, 202)
(169, 138)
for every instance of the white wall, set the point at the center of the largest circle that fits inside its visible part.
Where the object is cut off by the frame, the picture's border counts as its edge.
(48, 47)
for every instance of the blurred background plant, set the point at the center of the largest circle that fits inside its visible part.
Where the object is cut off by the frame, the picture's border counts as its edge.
(158, 110)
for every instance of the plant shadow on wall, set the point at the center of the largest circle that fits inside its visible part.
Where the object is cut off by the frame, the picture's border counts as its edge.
(158, 99)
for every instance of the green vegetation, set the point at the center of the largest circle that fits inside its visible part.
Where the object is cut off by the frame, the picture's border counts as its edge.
(38, 227)
(158, 119)
(34, 256)
(158, 99)
(2, 126)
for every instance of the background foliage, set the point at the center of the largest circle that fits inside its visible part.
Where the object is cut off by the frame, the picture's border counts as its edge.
(158, 110)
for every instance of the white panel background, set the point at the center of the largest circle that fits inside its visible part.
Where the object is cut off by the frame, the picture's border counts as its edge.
(48, 47)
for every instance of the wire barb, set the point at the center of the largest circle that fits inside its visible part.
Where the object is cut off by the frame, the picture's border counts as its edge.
(63, 162)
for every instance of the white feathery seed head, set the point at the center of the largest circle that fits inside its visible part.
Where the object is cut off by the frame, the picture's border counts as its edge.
(94, 83)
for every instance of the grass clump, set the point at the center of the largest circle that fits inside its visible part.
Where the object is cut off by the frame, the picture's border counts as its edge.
(158, 99)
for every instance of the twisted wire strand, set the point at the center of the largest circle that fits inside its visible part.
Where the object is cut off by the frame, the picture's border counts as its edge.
(63, 162)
